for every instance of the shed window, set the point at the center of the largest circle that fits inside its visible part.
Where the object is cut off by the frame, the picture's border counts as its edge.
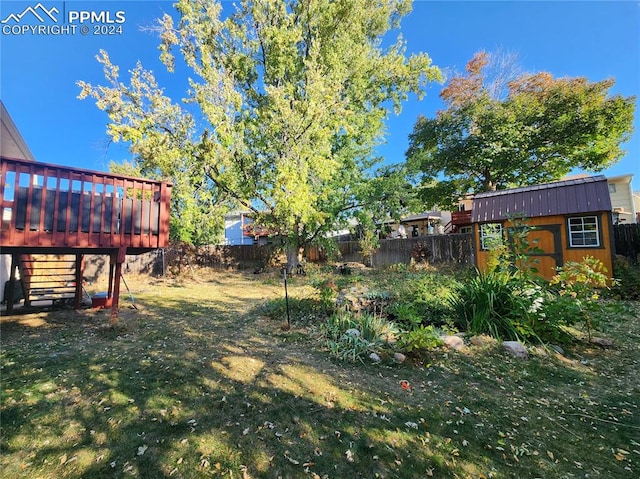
(584, 232)
(490, 235)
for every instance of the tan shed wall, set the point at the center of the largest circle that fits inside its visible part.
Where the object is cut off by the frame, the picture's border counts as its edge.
(546, 265)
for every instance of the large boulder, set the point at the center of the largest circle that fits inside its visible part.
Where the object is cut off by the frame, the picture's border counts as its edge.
(516, 349)
(453, 342)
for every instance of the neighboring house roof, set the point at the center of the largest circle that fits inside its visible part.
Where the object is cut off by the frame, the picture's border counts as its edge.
(430, 215)
(12, 145)
(579, 195)
(621, 178)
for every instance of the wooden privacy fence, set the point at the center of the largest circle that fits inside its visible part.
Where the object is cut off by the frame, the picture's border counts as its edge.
(454, 249)
(627, 241)
(436, 249)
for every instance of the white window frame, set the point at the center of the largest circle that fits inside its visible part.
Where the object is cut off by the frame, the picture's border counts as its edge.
(490, 231)
(584, 231)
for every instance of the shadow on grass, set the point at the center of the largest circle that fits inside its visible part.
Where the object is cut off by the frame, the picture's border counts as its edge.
(203, 385)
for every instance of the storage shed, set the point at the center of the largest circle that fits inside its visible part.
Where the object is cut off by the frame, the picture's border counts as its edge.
(571, 219)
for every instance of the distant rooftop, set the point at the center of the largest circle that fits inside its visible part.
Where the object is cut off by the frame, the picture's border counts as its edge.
(574, 196)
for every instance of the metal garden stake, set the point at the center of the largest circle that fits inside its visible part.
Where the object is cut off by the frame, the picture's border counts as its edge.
(286, 296)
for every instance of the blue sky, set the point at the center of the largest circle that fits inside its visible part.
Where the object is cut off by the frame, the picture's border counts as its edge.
(38, 73)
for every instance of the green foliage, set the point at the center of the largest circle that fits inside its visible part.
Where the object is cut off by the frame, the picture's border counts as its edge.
(353, 337)
(508, 301)
(627, 286)
(305, 310)
(491, 304)
(283, 110)
(508, 305)
(368, 244)
(506, 130)
(425, 300)
(583, 282)
(516, 253)
(405, 314)
(422, 338)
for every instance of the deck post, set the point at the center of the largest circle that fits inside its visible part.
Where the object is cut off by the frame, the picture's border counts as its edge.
(112, 265)
(120, 258)
(13, 283)
(79, 270)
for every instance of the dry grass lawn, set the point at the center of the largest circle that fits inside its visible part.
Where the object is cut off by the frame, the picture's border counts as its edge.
(198, 382)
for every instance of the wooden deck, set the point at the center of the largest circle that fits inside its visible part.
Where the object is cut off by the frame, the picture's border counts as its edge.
(56, 210)
(51, 206)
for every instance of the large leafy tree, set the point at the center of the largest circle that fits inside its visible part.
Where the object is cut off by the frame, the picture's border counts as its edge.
(502, 130)
(287, 100)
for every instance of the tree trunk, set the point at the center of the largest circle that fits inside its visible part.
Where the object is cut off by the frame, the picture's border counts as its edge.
(294, 257)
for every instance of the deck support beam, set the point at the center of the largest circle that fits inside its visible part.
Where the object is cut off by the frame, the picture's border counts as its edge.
(115, 275)
(13, 282)
(79, 274)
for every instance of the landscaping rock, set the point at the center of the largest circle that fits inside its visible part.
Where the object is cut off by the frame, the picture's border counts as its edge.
(362, 300)
(353, 332)
(375, 358)
(399, 357)
(482, 340)
(516, 349)
(602, 342)
(453, 342)
(557, 349)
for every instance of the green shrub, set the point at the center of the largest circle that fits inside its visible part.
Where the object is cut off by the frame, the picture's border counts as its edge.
(421, 338)
(405, 314)
(582, 282)
(425, 300)
(628, 280)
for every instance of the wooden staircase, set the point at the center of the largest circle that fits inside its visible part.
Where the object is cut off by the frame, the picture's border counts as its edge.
(48, 278)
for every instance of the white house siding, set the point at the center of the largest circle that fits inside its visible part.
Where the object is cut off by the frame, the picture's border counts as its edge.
(233, 224)
(12, 145)
(622, 202)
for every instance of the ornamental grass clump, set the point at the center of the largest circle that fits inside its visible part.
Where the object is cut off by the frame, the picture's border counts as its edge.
(352, 337)
(491, 304)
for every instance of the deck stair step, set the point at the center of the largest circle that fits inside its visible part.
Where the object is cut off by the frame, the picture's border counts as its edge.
(48, 277)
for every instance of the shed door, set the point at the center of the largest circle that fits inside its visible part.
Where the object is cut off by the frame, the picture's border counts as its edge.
(546, 238)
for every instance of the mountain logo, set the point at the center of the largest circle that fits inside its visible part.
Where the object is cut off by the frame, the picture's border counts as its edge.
(39, 12)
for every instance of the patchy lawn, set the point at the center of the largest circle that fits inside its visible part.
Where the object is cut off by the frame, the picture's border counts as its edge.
(197, 382)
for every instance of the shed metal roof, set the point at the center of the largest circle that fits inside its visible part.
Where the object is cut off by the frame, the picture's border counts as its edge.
(581, 195)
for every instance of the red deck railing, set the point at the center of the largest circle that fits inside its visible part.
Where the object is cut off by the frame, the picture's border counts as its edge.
(44, 205)
(461, 218)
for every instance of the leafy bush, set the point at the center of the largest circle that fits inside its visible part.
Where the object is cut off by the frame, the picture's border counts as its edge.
(405, 314)
(425, 300)
(582, 282)
(627, 286)
(421, 338)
